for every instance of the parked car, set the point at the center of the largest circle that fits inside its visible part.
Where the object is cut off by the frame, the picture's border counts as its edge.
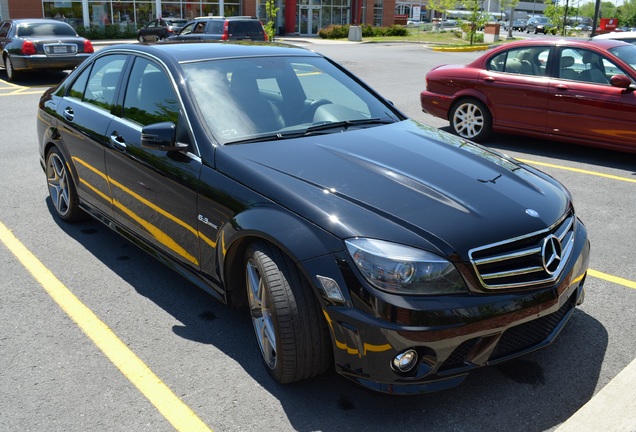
(622, 36)
(517, 24)
(274, 179)
(159, 29)
(574, 90)
(583, 28)
(222, 28)
(540, 25)
(40, 44)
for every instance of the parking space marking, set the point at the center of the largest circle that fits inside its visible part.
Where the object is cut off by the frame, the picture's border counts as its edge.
(10, 89)
(132, 367)
(577, 170)
(614, 279)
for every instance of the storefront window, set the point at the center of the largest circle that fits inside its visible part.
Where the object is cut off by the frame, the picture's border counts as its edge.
(67, 11)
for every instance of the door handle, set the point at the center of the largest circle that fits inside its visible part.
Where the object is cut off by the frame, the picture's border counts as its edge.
(562, 87)
(489, 79)
(117, 141)
(69, 114)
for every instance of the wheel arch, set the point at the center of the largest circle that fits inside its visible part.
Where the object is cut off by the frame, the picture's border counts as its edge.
(468, 94)
(294, 236)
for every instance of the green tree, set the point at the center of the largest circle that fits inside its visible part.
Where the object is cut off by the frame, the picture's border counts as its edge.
(555, 13)
(441, 6)
(271, 11)
(509, 5)
(476, 18)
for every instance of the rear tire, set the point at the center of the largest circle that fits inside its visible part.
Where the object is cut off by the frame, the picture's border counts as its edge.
(471, 119)
(61, 188)
(141, 39)
(12, 74)
(291, 332)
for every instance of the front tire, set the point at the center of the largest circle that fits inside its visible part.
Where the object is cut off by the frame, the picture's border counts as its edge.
(61, 188)
(141, 39)
(471, 119)
(291, 332)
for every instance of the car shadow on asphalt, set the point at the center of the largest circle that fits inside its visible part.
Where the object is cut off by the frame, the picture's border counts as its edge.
(556, 151)
(532, 393)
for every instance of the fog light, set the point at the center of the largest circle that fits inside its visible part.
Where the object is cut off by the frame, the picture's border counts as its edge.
(406, 361)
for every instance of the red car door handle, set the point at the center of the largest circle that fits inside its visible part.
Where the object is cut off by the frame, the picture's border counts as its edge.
(489, 79)
(562, 87)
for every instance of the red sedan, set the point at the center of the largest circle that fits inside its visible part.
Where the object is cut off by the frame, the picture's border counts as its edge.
(572, 90)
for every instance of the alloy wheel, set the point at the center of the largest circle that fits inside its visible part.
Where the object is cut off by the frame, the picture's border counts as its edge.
(260, 309)
(58, 184)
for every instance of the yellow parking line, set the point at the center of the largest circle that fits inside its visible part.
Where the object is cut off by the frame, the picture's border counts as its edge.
(577, 170)
(613, 279)
(131, 366)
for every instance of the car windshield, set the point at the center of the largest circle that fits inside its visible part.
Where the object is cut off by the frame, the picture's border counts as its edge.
(271, 98)
(627, 53)
(45, 29)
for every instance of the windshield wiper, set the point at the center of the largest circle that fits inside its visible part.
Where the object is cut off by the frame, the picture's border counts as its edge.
(311, 130)
(269, 137)
(347, 123)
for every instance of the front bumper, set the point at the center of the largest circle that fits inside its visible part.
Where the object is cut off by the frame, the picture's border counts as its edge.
(452, 335)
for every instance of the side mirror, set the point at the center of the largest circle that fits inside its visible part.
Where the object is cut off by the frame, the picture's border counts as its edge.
(161, 137)
(622, 81)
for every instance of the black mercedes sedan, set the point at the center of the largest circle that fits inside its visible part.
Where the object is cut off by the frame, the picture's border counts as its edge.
(277, 181)
(40, 44)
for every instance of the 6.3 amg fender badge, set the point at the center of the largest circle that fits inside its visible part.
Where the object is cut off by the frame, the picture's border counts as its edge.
(551, 254)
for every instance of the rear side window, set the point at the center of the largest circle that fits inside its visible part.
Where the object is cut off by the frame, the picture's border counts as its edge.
(4, 29)
(215, 27)
(99, 86)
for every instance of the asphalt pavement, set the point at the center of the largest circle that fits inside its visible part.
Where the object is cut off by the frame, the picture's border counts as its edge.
(612, 409)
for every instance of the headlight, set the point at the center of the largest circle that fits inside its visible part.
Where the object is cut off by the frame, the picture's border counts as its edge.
(401, 269)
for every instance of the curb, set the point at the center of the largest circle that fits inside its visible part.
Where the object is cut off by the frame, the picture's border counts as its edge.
(461, 48)
(612, 409)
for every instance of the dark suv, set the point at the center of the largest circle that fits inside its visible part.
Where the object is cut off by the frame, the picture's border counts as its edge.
(160, 29)
(222, 28)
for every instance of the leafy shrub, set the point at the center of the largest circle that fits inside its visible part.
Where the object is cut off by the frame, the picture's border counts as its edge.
(108, 31)
(334, 32)
(342, 31)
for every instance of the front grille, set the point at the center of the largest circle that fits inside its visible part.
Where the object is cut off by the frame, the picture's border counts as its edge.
(525, 261)
(514, 340)
(526, 335)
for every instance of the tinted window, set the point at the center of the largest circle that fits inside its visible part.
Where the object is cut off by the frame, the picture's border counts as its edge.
(150, 97)
(46, 29)
(102, 82)
(216, 27)
(245, 28)
(4, 29)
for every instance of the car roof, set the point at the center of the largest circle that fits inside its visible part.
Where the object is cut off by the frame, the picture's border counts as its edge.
(231, 18)
(616, 35)
(183, 52)
(36, 20)
(578, 42)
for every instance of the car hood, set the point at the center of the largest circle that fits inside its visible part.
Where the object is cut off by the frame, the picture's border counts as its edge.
(393, 181)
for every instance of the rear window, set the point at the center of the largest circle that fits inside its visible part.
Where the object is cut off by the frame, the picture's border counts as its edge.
(46, 29)
(250, 28)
